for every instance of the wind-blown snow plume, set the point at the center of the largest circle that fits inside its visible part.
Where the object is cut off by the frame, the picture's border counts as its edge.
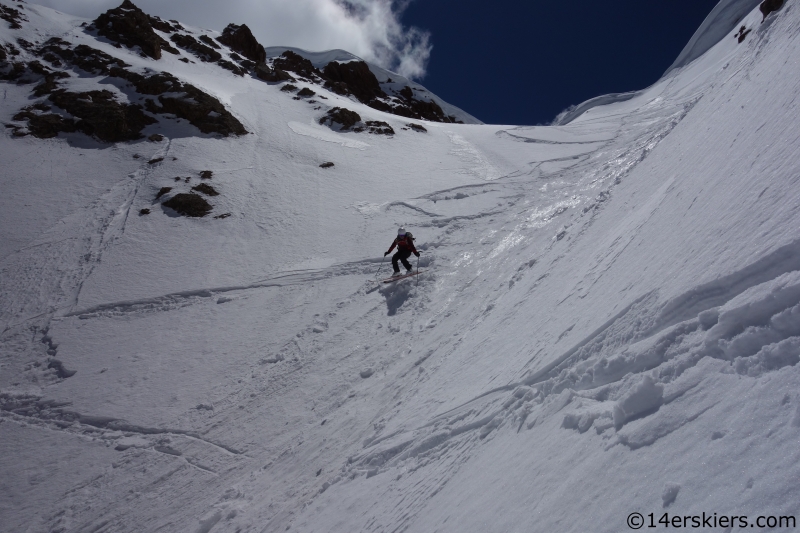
(370, 29)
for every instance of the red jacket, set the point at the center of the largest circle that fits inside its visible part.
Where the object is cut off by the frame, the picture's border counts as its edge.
(403, 243)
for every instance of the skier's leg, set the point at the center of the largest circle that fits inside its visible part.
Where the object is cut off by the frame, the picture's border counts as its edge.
(404, 259)
(395, 259)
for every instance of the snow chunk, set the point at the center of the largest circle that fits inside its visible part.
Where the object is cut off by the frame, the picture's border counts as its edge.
(645, 397)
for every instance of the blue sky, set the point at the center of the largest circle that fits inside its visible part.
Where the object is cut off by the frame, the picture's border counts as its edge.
(515, 62)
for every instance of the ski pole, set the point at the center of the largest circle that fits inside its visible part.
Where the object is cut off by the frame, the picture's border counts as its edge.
(380, 267)
(417, 271)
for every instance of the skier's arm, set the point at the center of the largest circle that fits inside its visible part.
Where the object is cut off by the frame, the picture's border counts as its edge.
(394, 243)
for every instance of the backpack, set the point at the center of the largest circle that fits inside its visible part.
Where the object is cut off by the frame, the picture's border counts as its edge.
(406, 241)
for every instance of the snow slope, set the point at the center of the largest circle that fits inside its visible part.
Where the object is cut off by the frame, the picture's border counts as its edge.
(610, 322)
(726, 16)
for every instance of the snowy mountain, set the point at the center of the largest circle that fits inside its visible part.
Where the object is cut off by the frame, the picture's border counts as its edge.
(194, 340)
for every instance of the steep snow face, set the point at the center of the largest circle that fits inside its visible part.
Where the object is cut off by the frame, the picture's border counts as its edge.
(718, 25)
(608, 320)
(726, 16)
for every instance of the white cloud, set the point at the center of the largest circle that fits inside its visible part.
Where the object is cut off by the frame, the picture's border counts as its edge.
(370, 29)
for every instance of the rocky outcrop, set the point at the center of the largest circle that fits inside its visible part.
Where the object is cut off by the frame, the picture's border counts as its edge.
(189, 204)
(227, 65)
(206, 189)
(263, 72)
(43, 125)
(58, 51)
(292, 62)
(340, 118)
(768, 6)
(101, 116)
(164, 26)
(183, 100)
(12, 16)
(203, 52)
(240, 39)
(97, 114)
(130, 26)
(378, 127)
(354, 78)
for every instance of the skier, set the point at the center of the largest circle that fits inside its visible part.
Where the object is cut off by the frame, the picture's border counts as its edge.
(405, 247)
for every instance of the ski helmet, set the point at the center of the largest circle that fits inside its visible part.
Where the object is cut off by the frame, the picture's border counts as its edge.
(401, 232)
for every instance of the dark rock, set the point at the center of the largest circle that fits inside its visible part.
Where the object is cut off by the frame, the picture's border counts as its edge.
(162, 191)
(417, 127)
(227, 65)
(379, 128)
(210, 42)
(768, 6)
(13, 71)
(326, 165)
(292, 62)
(61, 371)
(305, 91)
(144, 211)
(185, 101)
(189, 204)
(223, 215)
(353, 78)
(202, 110)
(162, 25)
(100, 115)
(240, 39)
(82, 56)
(47, 126)
(339, 115)
(12, 16)
(130, 26)
(203, 52)
(184, 59)
(206, 175)
(407, 93)
(428, 111)
(49, 84)
(235, 56)
(3, 53)
(155, 160)
(289, 88)
(263, 72)
(178, 178)
(27, 45)
(206, 189)
(156, 138)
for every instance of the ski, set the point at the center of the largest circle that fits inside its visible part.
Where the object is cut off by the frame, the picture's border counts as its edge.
(397, 278)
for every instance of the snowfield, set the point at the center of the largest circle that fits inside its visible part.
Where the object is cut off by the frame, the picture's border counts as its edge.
(609, 321)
